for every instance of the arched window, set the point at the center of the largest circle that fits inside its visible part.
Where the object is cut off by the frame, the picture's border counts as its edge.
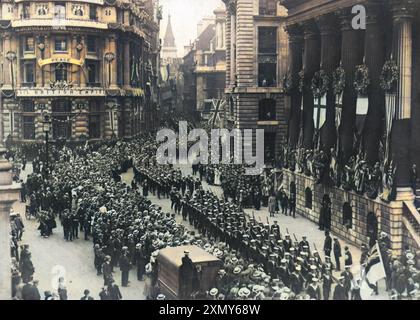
(347, 215)
(308, 198)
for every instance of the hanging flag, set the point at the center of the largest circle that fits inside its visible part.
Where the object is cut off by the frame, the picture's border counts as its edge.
(320, 111)
(372, 271)
(390, 100)
(362, 107)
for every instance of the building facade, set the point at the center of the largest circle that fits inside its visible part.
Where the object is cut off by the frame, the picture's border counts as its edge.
(256, 51)
(205, 64)
(90, 65)
(370, 125)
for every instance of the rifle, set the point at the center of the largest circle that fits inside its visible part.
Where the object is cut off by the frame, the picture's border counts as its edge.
(253, 215)
(294, 236)
(268, 222)
(259, 218)
(315, 247)
(287, 230)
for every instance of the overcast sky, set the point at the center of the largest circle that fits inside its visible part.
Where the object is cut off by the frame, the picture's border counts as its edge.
(185, 14)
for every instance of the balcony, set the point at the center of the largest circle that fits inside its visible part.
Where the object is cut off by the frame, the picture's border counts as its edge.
(58, 23)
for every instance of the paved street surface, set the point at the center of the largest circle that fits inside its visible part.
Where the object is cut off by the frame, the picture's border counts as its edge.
(54, 256)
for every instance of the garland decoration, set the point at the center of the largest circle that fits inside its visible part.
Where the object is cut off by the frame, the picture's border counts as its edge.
(338, 81)
(389, 76)
(320, 84)
(361, 79)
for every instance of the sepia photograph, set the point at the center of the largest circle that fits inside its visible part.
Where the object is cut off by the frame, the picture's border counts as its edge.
(210, 156)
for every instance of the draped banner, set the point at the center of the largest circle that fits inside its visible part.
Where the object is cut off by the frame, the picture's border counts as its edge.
(338, 114)
(43, 62)
(390, 101)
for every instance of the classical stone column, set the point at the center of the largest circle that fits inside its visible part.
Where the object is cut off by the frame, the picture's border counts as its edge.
(351, 56)
(415, 106)
(127, 72)
(330, 60)
(403, 13)
(231, 42)
(295, 64)
(6, 68)
(311, 61)
(228, 45)
(83, 72)
(374, 59)
(113, 70)
(9, 193)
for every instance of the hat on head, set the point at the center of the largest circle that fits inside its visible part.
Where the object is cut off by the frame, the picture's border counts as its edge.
(213, 292)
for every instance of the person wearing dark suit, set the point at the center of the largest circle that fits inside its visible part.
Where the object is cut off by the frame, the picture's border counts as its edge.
(124, 267)
(186, 275)
(104, 294)
(114, 292)
(30, 291)
(107, 270)
(339, 291)
(337, 253)
(327, 244)
(86, 295)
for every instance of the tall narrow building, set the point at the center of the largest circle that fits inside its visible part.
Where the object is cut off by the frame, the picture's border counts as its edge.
(169, 51)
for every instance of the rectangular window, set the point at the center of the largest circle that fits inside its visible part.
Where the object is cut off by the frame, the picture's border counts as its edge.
(60, 11)
(267, 56)
(61, 73)
(92, 69)
(91, 44)
(93, 15)
(28, 106)
(60, 44)
(268, 7)
(29, 44)
(61, 106)
(29, 73)
(61, 127)
(28, 127)
(26, 9)
(94, 126)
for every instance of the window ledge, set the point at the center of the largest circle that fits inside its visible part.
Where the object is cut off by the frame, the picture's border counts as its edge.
(268, 123)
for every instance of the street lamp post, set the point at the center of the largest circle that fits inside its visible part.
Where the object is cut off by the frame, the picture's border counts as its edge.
(46, 127)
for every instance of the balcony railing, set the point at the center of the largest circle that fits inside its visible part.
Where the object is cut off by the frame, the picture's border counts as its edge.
(58, 22)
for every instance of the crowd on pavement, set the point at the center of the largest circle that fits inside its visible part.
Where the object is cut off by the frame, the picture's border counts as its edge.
(83, 190)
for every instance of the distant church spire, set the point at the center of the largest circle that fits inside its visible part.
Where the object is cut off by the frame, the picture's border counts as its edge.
(169, 40)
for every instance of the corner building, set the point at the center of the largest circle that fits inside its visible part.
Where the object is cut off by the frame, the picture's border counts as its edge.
(92, 65)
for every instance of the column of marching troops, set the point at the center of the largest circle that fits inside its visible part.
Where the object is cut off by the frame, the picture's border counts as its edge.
(260, 261)
(282, 261)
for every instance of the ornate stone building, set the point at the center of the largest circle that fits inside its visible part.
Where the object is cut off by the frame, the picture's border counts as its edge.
(90, 65)
(205, 64)
(256, 50)
(371, 129)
